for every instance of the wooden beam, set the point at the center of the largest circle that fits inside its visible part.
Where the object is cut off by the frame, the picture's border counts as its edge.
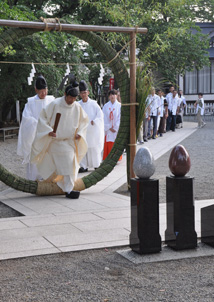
(71, 27)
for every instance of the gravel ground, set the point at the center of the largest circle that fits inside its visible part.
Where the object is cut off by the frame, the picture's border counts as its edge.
(10, 160)
(104, 275)
(200, 147)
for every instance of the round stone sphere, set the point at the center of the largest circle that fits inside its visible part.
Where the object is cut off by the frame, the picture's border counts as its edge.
(179, 161)
(143, 165)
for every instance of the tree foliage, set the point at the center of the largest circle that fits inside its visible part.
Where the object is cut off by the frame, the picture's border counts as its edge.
(169, 45)
(49, 51)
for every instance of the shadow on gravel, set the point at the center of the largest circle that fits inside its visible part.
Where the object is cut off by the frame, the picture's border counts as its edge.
(6, 211)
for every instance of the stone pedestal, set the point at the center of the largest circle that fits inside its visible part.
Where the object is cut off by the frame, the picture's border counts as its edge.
(180, 233)
(207, 225)
(145, 237)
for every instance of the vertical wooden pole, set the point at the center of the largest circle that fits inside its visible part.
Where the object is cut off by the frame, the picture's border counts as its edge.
(132, 100)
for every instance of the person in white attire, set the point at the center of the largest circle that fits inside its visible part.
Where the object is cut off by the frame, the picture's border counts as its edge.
(58, 153)
(158, 112)
(169, 102)
(153, 101)
(175, 109)
(27, 130)
(182, 105)
(143, 133)
(146, 123)
(199, 104)
(111, 112)
(163, 113)
(95, 131)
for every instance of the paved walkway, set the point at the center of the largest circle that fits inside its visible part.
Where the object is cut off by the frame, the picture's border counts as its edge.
(99, 218)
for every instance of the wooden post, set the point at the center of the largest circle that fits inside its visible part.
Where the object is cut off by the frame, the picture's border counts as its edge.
(132, 100)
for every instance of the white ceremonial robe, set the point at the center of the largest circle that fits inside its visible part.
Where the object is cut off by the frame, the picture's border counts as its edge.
(111, 114)
(95, 134)
(27, 131)
(60, 156)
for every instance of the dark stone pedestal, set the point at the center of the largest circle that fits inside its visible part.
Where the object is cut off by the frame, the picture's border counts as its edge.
(145, 237)
(180, 233)
(207, 225)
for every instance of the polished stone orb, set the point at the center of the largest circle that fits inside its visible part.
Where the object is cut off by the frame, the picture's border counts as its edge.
(143, 165)
(179, 161)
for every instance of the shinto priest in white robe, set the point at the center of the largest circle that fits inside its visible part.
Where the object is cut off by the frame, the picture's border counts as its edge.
(27, 131)
(95, 134)
(59, 157)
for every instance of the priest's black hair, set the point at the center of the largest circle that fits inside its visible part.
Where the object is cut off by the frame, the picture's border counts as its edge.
(40, 83)
(112, 91)
(83, 86)
(72, 89)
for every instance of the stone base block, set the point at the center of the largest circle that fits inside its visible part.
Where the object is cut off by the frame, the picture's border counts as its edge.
(145, 237)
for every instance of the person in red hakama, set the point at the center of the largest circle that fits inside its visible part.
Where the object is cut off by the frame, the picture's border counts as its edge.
(111, 112)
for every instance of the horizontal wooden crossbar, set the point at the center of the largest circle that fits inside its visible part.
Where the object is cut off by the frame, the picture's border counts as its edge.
(71, 27)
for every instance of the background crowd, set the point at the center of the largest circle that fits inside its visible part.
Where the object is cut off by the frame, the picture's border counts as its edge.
(163, 113)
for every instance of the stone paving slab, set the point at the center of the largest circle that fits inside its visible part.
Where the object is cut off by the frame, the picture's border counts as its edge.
(57, 220)
(96, 236)
(8, 225)
(103, 224)
(94, 245)
(38, 231)
(117, 213)
(28, 253)
(19, 208)
(24, 244)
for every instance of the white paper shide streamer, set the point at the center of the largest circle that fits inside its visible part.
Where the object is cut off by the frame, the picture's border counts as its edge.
(102, 72)
(30, 78)
(67, 72)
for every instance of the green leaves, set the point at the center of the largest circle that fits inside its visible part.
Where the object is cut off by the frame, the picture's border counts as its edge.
(169, 39)
(169, 43)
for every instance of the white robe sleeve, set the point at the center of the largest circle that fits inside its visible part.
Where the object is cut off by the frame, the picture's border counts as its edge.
(117, 118)
(107, 122)
(42, 139)
(26, 134)
(95, 133)
(82, 145)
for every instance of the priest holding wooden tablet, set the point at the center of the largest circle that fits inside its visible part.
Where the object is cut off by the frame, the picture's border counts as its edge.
(60, 141)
